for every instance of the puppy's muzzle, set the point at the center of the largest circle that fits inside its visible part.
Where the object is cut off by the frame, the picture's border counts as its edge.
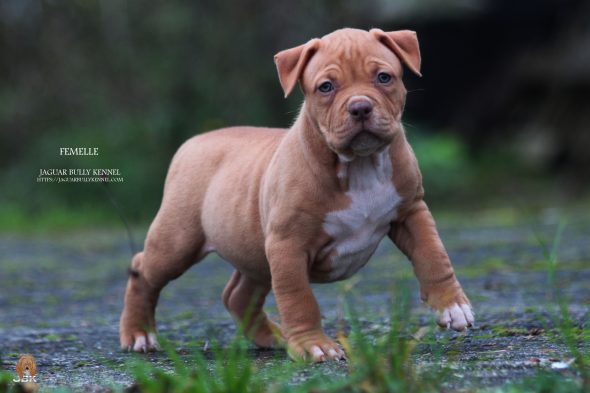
(365, 141)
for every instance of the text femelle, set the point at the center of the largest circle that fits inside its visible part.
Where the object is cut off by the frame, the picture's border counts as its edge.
(78, 151)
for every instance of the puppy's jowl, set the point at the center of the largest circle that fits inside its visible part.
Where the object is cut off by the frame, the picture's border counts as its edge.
(309, 204)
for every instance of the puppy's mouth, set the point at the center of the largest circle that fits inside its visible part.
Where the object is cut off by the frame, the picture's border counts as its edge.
(366, 143)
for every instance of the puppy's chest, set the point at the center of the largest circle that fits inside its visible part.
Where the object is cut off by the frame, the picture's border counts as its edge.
(357, 230)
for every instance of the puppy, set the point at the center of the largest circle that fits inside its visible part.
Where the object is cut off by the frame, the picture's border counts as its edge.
(307, 204)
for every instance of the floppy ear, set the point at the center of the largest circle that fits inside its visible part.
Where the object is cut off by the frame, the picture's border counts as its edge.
(404, 43)
(291, 63)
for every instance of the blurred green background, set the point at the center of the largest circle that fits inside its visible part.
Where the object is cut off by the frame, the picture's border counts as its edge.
(500, 117)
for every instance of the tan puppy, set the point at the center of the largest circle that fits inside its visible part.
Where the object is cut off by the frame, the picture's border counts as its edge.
(308, 204)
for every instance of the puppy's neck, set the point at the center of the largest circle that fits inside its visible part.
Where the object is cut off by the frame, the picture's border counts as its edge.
(361, 172)
(320, 158)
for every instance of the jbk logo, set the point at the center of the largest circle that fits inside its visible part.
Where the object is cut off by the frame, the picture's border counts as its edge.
(26, 369)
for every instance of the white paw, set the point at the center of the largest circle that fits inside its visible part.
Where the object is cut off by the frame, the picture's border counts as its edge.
(458, 317)
(145, 343)
(320, 355)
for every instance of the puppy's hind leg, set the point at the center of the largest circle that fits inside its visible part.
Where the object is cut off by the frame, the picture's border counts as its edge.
(169, 251)
(244, 299)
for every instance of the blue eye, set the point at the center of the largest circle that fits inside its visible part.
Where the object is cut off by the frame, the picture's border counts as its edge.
(384, 78)
(326, 87)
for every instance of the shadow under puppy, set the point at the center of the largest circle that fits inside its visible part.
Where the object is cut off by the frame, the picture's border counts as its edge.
(307, 204)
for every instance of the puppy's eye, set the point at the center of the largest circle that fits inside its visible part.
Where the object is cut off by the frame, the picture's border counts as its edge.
(326, 87)
(384, 78)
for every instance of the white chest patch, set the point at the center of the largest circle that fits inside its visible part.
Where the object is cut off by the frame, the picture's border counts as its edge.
(357, 230)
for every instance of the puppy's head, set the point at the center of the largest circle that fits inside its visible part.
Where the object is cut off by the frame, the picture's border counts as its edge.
(352, 82)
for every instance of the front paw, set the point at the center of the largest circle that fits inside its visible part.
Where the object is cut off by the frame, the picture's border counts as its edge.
(314, 346)
(452, 307)
(457, 316)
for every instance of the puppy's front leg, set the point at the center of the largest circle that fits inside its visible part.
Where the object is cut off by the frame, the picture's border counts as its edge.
(298, 308)
(417, 237)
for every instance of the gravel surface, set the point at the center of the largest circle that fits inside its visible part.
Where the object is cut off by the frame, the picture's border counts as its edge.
(61, 296)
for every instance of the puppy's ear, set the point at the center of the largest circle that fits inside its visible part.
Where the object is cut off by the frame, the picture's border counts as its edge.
(404, 43)
(291, 63)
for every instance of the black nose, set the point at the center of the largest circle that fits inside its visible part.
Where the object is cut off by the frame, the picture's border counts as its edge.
(360, 109)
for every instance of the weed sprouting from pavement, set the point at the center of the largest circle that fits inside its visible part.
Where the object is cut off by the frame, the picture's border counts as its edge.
(385, 364)
(564, 332)
(232, 370)
(565, 329)
(382, 364)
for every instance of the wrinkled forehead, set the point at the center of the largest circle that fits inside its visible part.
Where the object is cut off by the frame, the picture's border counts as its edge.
(351, 51)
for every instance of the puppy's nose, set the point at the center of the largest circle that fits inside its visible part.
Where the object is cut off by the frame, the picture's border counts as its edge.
(360, 108)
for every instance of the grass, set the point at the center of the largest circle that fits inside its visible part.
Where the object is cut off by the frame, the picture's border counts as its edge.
(55, 219)
(231, 371)
(386, 364)
(565, 330)
(382, 364)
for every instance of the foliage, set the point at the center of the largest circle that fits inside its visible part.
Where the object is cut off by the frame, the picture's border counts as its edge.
(444, 163)
(5, 381)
